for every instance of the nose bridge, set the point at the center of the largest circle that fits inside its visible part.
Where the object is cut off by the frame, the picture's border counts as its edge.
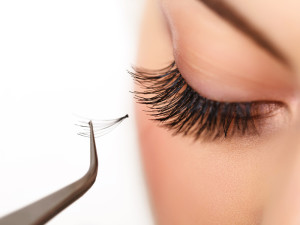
(290, 145)
(284, 205)
(289, 140)
(292, 142)
(293, 149)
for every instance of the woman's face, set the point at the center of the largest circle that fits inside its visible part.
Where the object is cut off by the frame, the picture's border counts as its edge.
(227, 51)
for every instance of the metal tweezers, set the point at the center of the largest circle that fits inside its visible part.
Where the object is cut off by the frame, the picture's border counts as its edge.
(46, 208)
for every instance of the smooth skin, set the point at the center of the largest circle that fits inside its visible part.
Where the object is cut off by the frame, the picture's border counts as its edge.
(249, 180)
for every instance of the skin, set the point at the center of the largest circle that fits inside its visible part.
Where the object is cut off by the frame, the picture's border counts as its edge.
(247, 180)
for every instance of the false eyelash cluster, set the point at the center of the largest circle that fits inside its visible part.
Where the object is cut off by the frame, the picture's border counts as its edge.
(101, 127)
(173, 103)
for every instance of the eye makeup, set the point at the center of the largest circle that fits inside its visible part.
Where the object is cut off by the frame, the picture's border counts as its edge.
(176, 106)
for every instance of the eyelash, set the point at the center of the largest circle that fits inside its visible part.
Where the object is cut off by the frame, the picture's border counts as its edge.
(100, 127)
(173, 103)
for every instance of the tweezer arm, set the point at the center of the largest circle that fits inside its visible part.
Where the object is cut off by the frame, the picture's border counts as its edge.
(44, 209)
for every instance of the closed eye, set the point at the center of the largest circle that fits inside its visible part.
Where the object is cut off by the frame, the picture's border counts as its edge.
(176, 106)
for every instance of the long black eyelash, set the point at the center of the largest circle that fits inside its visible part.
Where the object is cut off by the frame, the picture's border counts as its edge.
(173, 103)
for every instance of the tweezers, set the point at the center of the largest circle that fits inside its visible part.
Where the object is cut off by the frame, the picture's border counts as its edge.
(43, 210)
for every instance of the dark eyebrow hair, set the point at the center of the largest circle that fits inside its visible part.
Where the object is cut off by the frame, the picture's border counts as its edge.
(238, 21)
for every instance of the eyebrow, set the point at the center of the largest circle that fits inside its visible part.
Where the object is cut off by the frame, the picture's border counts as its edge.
(238, 21)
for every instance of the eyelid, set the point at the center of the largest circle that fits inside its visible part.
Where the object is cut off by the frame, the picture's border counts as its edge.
(214, 81)
(173, 103)
(214, 56)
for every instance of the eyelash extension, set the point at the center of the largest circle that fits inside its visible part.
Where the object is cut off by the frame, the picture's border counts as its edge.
(101, 127)
(176, 106)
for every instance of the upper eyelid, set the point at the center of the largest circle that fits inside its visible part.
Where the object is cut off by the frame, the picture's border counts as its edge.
(169, 103)
(220, 62)
(150, 73)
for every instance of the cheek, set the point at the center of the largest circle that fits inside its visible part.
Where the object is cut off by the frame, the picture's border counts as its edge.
(193, 183)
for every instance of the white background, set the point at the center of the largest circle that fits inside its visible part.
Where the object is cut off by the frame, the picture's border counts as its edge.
(59, 58)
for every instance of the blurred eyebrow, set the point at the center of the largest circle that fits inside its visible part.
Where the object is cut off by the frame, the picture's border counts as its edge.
(238, 21)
